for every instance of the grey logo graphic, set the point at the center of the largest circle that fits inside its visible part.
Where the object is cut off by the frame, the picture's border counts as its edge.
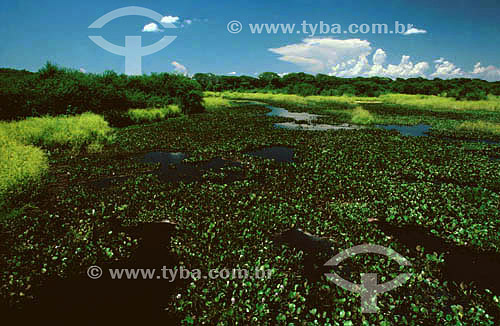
(133, 50)
(369, 288)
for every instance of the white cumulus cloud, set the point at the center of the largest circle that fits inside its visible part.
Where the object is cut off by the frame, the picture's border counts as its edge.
(170, 19)
(179, 68)
(232, 73)
(379, 57)
(355, 58)
(490, 73)
(347, 58)
(446, 69)
(414, 30)
(319, 54)
(152, 27)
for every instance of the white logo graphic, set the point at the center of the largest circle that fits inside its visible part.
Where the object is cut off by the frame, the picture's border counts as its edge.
(369, 288)
(133, 50)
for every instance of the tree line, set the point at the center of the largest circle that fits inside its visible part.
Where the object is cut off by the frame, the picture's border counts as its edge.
(321, 84)
(54, 90)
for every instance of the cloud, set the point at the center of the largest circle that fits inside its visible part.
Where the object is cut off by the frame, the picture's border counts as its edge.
(347, 58)
(83, 70)
(174, 20)
(379, 57)
(151, 28)
(414, 30)
(179, 68)
(170, 19)
(446, 69)
(319, 54)
(232, 73)
(406, 69)
(355, 58)
(490, 73)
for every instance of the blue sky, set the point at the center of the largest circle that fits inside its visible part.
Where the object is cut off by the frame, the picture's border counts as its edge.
(459, 35)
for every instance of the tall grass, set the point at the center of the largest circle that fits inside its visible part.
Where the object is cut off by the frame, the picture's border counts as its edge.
(480, 127)
(315, 101)
(361, 116)
(153, 114)
(65, 131)
(214, 103)
(442, 103)
(21, 166)
(430, 102)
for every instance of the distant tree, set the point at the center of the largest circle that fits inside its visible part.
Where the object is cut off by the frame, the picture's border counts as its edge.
(270, 80)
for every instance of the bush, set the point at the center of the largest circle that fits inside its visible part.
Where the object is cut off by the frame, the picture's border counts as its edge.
(481, 127)
(216, 103)
(72, 131)
(54, 90)
(362, 117)
(304, 89)
(192, 102)
(21, 167)
(152, 114)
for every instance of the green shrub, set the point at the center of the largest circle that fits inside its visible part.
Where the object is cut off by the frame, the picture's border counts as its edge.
(192, 102)
(71, 131)
(481, 127)
(55, 90)
(153, 114)
(21, 167)
(362, 117)
(213, 103)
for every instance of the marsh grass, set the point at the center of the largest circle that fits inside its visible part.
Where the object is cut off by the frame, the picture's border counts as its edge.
(214, 102)
(291, 100)
(65, 131)
(153, 114)
(440, 103)
(361, 116)
(429, 102)
(480, 127)
(21, 167)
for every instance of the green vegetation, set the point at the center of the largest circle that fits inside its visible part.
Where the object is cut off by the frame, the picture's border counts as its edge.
(153, 114)
(481, 126)
(362, 116)
(67, 131)
(214, 102)
(339, 182)
(21, 167)
(305, 85)
(54, 90)
(447, 116)
(492, 103)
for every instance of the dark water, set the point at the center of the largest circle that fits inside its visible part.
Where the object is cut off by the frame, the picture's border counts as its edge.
(420, 130)
(164, 158)
(172, 169)
(79, 300)
(277, 153)
(461, 264)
